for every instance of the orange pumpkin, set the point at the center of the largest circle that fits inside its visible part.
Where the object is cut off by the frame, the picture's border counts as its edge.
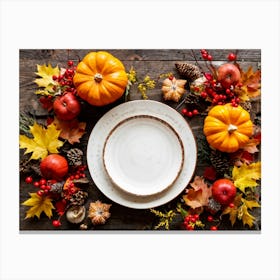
(173, 89)
(100, 78)
(227, 128)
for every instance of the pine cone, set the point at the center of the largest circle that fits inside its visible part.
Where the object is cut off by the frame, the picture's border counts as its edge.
(192, 98)
(246, 105)
(57, 187)
(213, 206)
(79, 198)
(75, 156)
(189, 71)
(220, 161)
(29, 166)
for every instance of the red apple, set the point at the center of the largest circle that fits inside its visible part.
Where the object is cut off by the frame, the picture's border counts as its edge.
(228, 74)
(67, 107)
(223, 191)
(54, 167)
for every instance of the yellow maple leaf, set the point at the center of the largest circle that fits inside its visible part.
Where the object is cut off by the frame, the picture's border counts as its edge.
(38, 204)
(246, 175)
(46, 81)
(44, 141)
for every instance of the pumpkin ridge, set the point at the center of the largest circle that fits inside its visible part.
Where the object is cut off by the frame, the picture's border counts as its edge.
(246, 128)
(91, 63)
(231, 143)
(221, 113)
(84, 69)
(116, 78)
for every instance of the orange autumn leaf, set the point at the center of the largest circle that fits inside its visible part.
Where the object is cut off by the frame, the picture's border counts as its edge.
(251, 146)
(251, 82)
(199, 194)
(71, 131)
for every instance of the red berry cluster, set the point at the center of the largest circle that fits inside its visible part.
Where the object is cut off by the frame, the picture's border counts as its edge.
(205, 55)
(214, 91)
(65, 79)
(190, 221)
(218, 95)
(43, 184)
(69, 189)
(189, 113)
(78, 173)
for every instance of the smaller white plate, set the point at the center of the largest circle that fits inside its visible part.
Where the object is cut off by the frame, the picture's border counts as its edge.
(143, 155)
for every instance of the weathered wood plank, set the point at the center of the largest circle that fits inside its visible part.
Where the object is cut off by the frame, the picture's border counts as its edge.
(140, 54)
(145, 62)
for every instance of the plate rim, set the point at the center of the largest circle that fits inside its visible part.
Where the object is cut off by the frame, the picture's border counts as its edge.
(178, 138)
(105, 185)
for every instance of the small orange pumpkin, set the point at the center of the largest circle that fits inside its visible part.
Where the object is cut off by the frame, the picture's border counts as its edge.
(227, 128)
(173, 89)
(100, 78)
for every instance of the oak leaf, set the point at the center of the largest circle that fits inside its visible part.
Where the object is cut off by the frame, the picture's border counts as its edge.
(233, 211)
(246, 175)
(199, 194)
(44, 141)
(46, 81)
(240, 211)
(71, 130)
(245, 216)
(38, 204)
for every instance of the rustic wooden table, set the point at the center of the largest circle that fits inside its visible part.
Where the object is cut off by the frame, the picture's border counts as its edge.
(145, 62)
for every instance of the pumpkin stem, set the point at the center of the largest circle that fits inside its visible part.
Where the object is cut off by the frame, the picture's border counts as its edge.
(98, 77)
(232, 128)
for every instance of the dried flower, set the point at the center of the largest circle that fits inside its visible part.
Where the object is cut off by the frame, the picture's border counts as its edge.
(76, 214)
(99, 212)
(131, 75)
(165, 218)
(146, 84)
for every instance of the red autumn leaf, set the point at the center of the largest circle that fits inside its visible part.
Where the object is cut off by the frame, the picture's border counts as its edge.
(60, 207)
(70, 130)
(49, 120)
(210, 173)
(199, 194)
(258, 136)
(247, 157)
(46, 102)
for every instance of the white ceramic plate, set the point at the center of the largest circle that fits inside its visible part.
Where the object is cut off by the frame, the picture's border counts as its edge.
(143, 155)
(120, 113)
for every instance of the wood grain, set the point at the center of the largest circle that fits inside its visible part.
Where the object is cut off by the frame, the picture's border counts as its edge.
(146, 62)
